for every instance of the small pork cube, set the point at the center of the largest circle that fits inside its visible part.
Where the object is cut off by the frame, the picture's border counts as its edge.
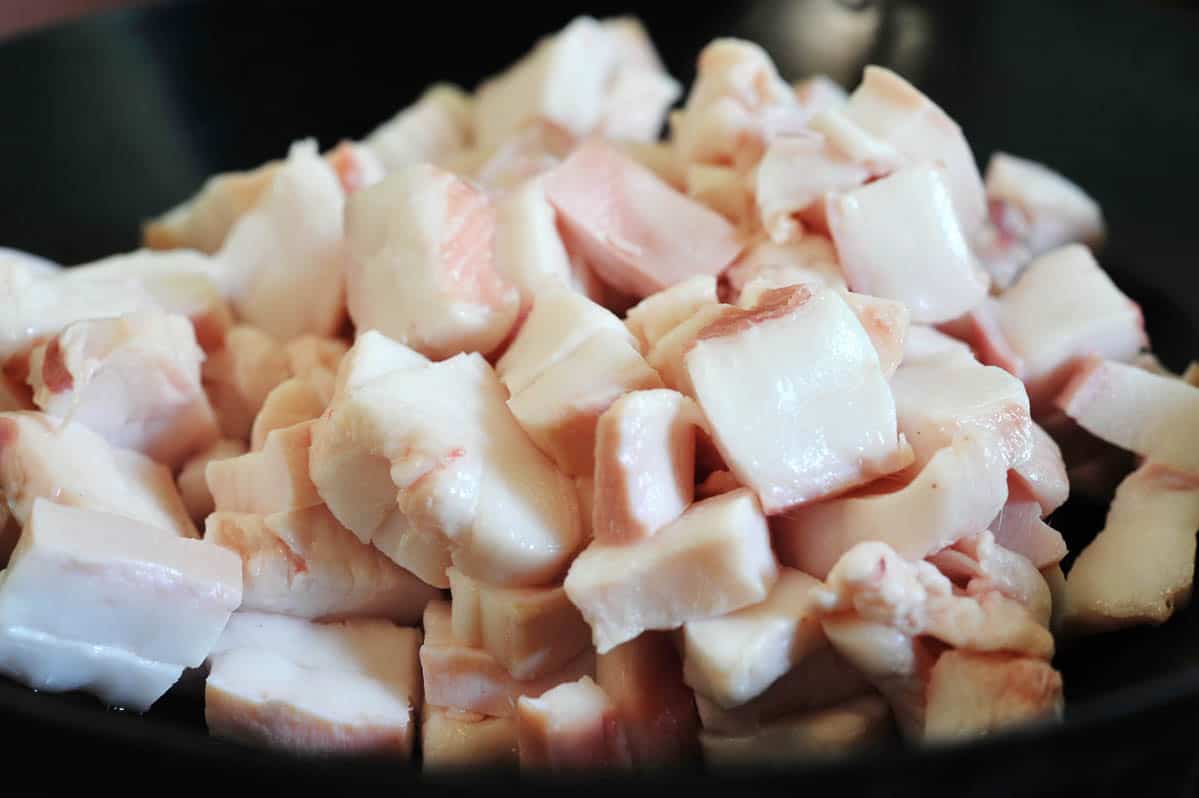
(735, 658)
(644, 679)
(135, 380)
(561, 320)
(192, 482)
(1131, 408)
(575, 725)
(531, 631)
(272, 480)
(401, 467)
(529, 252)
(958, 492)
(769, 378)
(1063, 308)
(451, 738)
(971, 694)
(111, 581)
(1043, 475)
(1141, 566)
(796, 173)
(284, 258)
(468, 678)
(239, 377)
(373, 355)
(899, 115)
(1053, 210)
(291, 402)
(899, 238)
(637, 233)
(625, 590)
(561, 408)
(837, 731)
(764, 265)
(350, 687)
(304, 563)
(69, 464)
(421, 264)
(644, 464)
(656, 315)
(432, 129)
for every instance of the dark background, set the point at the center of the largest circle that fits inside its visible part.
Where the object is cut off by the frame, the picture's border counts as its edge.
(107, 122)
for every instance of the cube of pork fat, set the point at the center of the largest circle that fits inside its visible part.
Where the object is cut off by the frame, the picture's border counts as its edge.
(1053, 211)
(658, 314)
(899, 238)
(979, 564)
(1043, 475)
(402, 468)
(797, 172)
(135, 380)
(451, 738)
(636, 232)
(644, 679)
(836, 731)
(312, 353)
(421, 264)
(239, 377)
(68, 463)
(108, 580)
(886, 322)
(528, 249)
(285, 258)
(972, 694)
(574, 725)
(759, 402)
(809, 259)
(273, 480)
(1064, 307)
(641, 91)
(192, 482)
(1141, 566)
(304, 563)
(1129, 407)
(644, 464)
(735, 658)
(651, 584)
(980, 329)
(467, 678)
(896, 113)
(291, 402)
(1019, 528)
(432, 129)
(724, 190)
(561, 320)
(350, 687)
(560, 410)
(531, 631)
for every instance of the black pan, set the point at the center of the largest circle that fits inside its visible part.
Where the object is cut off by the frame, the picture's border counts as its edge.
(106, 122)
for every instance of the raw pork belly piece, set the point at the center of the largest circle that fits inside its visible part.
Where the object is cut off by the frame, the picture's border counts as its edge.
(193, 482)
(273, 480)
(899, 238)
(656, 315)
(239, 376)
(574, 725)
(135, 380)
(768, 378)
(1064, 308)
(421, 264)
(796, 173)
(624, 590)
(402, 468)
(1052, 210)
(304, 563)
(434, 128)
(636, 232)
(452, 738)
(349, 687)
(972, 694)
(669, 351)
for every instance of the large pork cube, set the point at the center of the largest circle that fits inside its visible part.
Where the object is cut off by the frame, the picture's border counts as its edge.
(531, 631)
(421, 264)
(561, 408)
(272, 480)
(797, 373)
(193, 483)
(399, 465)
(111, 581)
(638, 233)
(973, 694)
(899, 238)
(135, 380)
(1063, 308)
(658, 314)
(434, 128)
(797, 172)
(957, 493)
(452, 738)
(285, 257)
(644, 679)
(625, 590)
(240, 376)
(291, 402)
(644, 464)
(1053, 211)
(304, 563)
(1141, 566)
(735, 658)
(69, 464)
(574, 725)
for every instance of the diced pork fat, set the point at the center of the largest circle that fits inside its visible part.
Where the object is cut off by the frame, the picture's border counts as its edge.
(1019, 527)
(655, 316)
(291, 402)
(1052, 210)
(980, 329)
(433, 129)
(451, 738)
(192, 482)
(574, 725)
(660, 158)
(239, 377)
(1043, 475)
(522, 158)
(373, 355)
(272, 480)
(528, 249)
(205, 219)
(640, 91)
(796, 173)
(724, 190)
(668, 352)
(978, 564)
(819, 92)
(972, 694)
(764, 265)
(886, 322)
(312, 353)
